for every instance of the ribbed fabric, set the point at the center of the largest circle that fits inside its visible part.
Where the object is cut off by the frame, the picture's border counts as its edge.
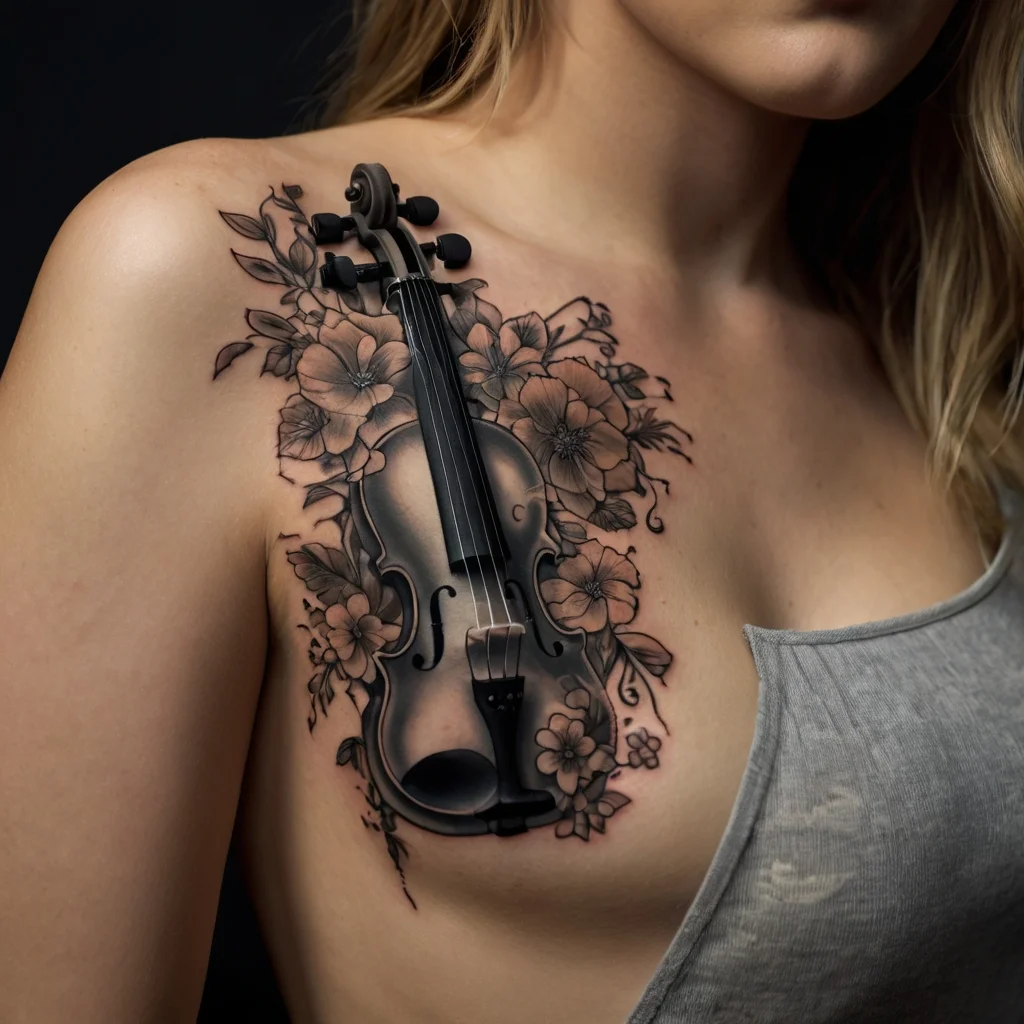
(873, 865)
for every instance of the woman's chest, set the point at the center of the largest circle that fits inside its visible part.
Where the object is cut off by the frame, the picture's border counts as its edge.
(518, 591)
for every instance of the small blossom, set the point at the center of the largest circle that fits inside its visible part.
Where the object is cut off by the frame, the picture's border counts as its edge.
(356, 634)
(643, 748)
(593, 588)
(356, 364)
(498, 364)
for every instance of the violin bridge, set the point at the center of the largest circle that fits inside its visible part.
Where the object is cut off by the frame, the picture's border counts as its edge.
(493, 651)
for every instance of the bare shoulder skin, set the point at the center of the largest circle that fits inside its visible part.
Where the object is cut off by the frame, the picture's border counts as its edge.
(178, 627)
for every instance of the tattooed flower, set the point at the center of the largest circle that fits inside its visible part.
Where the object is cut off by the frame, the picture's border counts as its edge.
(592, 589)
(306, 431)
(590, 811)
(498, 364)
(357, 364)
(356, 634)
(572, 423)
(643, 748)
(566, 749)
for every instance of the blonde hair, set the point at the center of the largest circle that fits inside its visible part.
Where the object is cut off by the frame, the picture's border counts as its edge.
(912, 213)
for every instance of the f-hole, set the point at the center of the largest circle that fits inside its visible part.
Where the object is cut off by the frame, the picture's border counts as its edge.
(557, 648)
(436, 628)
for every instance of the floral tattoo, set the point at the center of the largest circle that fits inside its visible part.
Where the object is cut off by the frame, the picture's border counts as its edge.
(589, 421)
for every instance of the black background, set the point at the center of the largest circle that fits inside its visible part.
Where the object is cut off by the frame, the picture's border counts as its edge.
(90, 88)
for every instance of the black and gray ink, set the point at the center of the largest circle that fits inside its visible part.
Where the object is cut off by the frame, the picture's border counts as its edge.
(587, 421)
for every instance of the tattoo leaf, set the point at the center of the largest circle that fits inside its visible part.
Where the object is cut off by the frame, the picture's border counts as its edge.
(653, 434)
(328, 572)
(293, 191)
(301, 256)
(613, 513)
(349, 751)
(269, 325)
(606, 648)
(647, 651)
(245, 225)
(281, 360)
(317, 493)
(261, 269)
(568, 528)
(228, 354)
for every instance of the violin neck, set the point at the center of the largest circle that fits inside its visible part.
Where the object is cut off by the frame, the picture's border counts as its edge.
(472, 532)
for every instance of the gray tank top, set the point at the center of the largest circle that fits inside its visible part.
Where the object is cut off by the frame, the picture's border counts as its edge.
(873, 865)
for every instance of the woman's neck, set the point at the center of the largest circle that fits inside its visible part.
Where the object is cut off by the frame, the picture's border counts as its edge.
(605, 133)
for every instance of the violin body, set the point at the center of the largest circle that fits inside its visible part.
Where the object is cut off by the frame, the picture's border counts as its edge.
(456, 523)
(425, 725)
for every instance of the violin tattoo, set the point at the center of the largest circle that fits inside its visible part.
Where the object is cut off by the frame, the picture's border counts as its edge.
(478, 603)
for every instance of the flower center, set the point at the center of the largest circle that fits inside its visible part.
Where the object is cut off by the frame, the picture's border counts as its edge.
(592, 588)
(568, 754)
(570, 443)
(357, 632)
(364, 379)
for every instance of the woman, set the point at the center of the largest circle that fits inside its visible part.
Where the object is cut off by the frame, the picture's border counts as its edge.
(747, 287)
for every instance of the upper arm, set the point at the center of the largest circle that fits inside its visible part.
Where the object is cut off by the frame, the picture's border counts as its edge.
(132, 610)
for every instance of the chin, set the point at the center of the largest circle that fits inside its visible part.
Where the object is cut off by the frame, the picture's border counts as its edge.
(830, 72)
(821, 59)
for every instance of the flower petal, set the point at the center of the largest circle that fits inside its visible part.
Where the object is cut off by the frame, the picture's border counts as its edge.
(586, 746)
(606, 445)
(383, 328)
(548, 762)
(475, 360)
(508, 340)
(567, 474)
(337, 617)
(621, 478)
(577, 414)
(511, 412)
(593, 620)
(557, 589)
(358, 605)
(545, 399)
(339, 432)
(364, 352)
(390, 631)
(568, 777)
(581, 505)
(559, 724)
(578, 603)
(540, 443)
(481, 339)
(389, 360)
(595, 391)
(356, 663)
(548, 739)
(574, 733)
(379, 393)
(494, 387)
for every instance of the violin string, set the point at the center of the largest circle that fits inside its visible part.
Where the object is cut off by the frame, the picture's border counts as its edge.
(429, 307)
(432, 305)
(424, 371)
(422, 308)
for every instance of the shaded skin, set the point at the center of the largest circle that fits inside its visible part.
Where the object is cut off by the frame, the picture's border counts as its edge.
(145, 511)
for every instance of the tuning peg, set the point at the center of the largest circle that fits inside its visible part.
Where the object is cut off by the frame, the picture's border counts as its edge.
(420, 210)
(341, 273)
(329, 228)
(452, 250)
(338, 272)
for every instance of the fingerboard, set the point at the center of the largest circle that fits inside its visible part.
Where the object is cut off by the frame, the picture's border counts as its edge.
(472, 531)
